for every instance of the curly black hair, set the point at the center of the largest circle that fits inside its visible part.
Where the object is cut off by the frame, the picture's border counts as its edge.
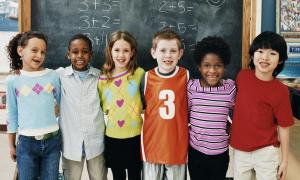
(215, 45)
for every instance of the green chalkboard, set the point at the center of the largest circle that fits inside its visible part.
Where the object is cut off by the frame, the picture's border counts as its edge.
(191, 19)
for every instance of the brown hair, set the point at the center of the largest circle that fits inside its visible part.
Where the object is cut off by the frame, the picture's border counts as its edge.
(166, 34)
(109, 64)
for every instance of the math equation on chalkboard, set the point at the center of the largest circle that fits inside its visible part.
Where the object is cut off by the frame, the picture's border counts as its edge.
(97, 25)
(191, 19)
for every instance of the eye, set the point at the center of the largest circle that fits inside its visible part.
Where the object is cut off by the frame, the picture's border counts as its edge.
(259, 51)
(162, 50)
(34, 50)
(274, 53)
(174, 50)
(205, 65)
(74, 51)
(219, 66)
(86, 51)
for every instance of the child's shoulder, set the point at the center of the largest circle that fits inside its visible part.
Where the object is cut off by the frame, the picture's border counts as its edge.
(51, 72)
(139, 70)
(229, 84)
(10, 78)
(94, 71)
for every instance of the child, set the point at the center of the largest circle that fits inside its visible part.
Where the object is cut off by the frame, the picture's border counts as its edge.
(211, 99)
(81, 120)
(31, 95)
(262, 112)
(165, 129)
(119, 89)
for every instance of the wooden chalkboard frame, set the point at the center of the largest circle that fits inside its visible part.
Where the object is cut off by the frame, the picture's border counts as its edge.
(249, 24)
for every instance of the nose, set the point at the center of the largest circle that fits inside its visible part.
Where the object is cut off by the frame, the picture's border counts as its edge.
(212, 68)
(168, 54)
(265, 56)
(79, 54)
(39, 54)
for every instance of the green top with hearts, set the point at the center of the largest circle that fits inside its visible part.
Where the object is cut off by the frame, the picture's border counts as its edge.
(121, 102)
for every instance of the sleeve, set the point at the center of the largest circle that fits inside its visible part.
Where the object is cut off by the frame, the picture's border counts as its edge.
(189, 94)
(233, 95)
(283, 110)
(100, 89)
(57, 94)
(12, 105)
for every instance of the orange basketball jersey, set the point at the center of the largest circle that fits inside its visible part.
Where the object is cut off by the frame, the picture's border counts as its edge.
(165, 129)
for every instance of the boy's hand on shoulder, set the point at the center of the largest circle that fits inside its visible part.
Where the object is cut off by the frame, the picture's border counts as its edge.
(282, 171)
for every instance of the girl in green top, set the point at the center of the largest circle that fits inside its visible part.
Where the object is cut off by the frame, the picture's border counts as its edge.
(119, 89)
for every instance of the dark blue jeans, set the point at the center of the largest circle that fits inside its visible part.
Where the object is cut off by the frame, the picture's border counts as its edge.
(38, 158)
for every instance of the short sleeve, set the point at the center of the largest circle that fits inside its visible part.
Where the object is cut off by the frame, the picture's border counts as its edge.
(283, 110)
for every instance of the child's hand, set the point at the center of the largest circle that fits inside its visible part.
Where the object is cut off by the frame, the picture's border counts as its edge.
(12, 152)
(56, 108)
(282, 171)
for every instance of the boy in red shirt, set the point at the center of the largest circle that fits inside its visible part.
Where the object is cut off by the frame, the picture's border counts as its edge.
(262, 112)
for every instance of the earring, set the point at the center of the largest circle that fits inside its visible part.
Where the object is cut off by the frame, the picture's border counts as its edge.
(21, 58)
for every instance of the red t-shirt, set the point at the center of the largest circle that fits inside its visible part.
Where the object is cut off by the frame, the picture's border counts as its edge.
(165, 128)
(261, 106)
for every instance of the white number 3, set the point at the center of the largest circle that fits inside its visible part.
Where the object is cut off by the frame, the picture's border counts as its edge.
(167, 112)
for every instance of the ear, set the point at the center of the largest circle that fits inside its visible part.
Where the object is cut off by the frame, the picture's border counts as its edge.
(20, 50)
(68, 55)
(180, 53)
(152, 51)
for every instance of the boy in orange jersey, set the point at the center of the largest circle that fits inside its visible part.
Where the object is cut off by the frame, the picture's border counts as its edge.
(165, 129)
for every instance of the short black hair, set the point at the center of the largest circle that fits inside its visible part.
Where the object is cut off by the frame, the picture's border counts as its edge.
(83, 37)
(215, 45)
(269, 40)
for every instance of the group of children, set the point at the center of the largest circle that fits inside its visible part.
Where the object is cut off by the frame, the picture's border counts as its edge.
(96, 116)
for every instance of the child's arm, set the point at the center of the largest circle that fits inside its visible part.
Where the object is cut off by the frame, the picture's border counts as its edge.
(12, 145)
(142, 89)
(284, 141)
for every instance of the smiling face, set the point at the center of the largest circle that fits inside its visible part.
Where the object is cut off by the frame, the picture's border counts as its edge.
(167, 54)
(265, 61)
(121, 53)
(212, 70)
(33, 54)
(80, 54)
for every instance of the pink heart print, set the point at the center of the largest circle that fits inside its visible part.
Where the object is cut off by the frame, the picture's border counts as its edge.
(120, 102)
(118, 82)
(121, 122)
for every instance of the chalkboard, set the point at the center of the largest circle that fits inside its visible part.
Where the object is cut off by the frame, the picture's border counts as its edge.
(191, 19)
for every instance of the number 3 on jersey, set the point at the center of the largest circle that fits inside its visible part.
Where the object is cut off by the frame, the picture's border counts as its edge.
(168, 111)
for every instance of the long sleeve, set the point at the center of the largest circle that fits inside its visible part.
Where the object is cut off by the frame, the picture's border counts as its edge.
(12, 115)
(57, 94)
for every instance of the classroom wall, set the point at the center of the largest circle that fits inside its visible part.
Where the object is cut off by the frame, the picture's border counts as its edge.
(268, 21)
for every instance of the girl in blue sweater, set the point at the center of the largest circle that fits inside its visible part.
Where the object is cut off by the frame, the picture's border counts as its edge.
(32, 94)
